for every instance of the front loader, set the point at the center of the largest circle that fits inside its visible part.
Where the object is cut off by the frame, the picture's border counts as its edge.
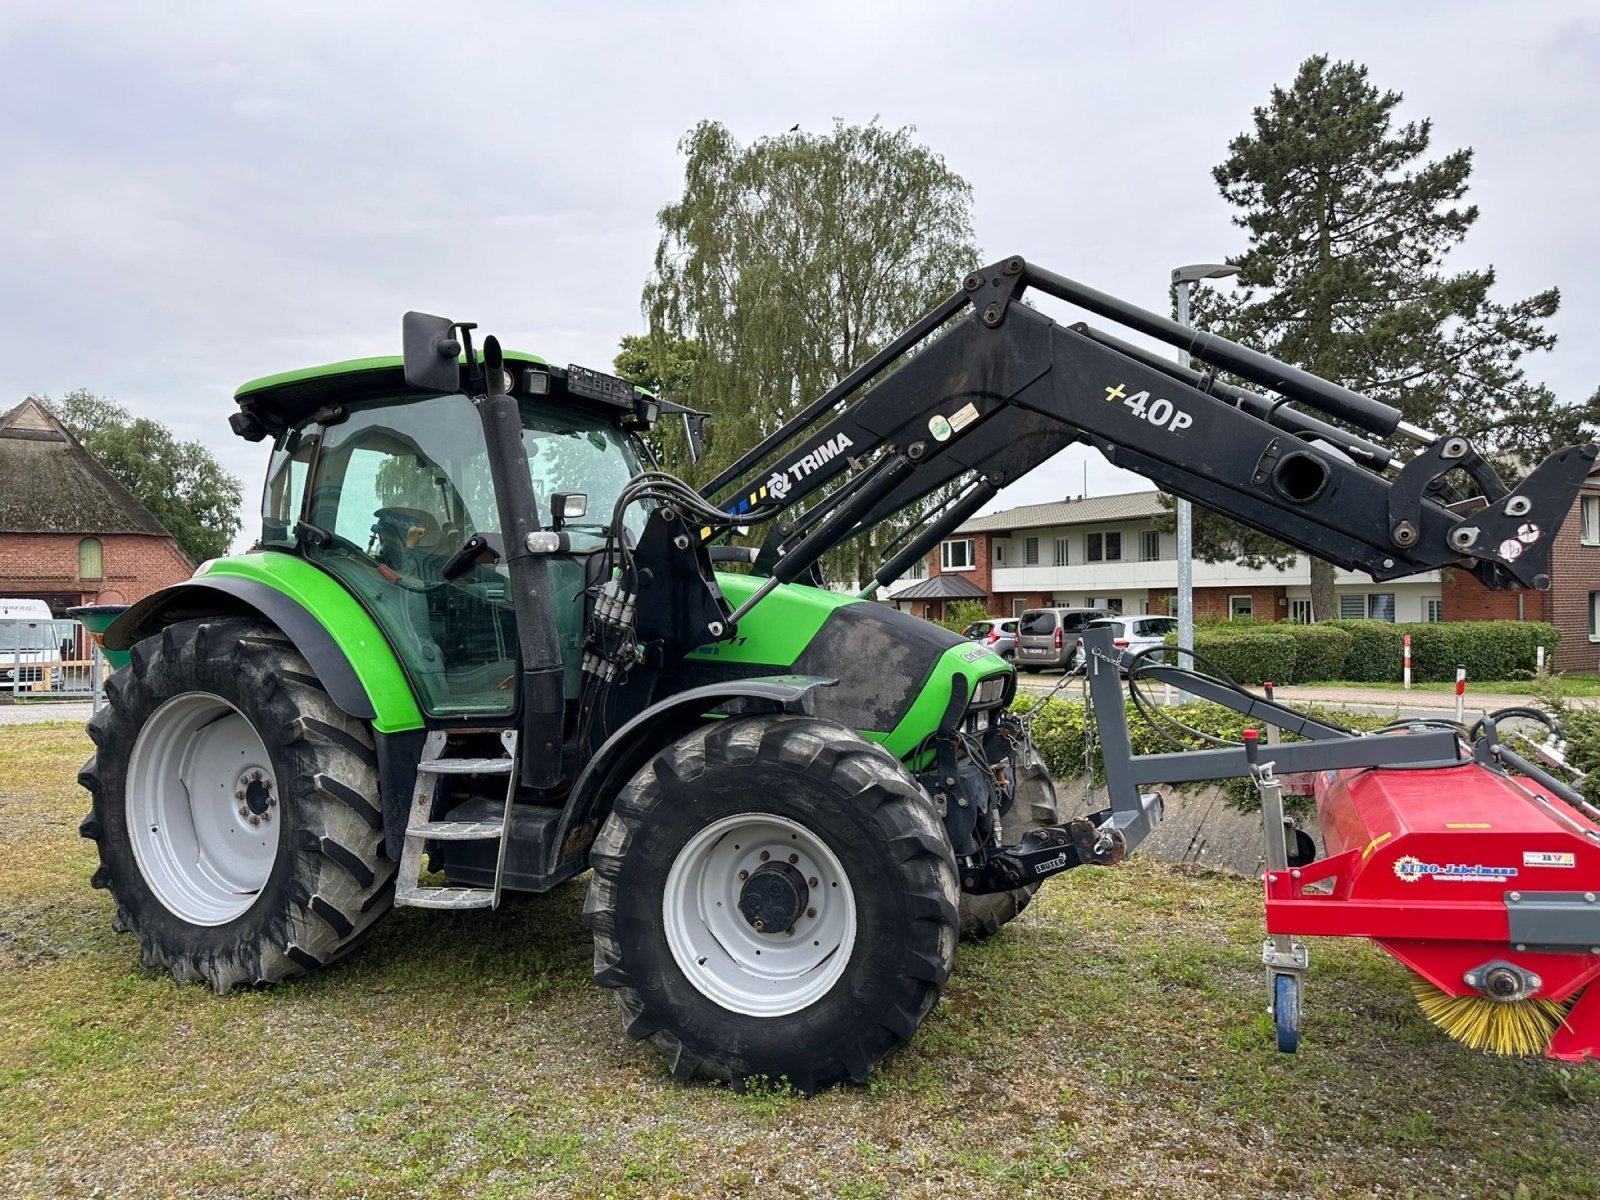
(484, 645)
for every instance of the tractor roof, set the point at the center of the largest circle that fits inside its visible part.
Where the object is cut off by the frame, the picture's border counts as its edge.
(274, 402)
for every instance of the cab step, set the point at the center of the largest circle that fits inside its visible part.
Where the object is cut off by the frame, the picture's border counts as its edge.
(435, 763)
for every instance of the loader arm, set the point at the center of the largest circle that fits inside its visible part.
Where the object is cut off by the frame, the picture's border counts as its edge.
(1000, 390)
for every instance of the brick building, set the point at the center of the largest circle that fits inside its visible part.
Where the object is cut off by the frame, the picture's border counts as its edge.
(1572, 604)
(70, 533)
(1110, 552)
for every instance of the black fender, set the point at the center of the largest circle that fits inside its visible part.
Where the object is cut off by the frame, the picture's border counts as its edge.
(228, 596)
(633, 745)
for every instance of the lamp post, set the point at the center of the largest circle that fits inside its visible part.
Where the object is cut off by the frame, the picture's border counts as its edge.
(1183, 278)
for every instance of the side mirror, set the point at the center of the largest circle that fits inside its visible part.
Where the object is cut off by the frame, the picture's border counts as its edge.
(694, 432)
(567, 506)
(431, 350)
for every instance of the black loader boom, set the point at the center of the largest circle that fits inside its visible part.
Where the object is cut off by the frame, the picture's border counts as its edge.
(999, 391)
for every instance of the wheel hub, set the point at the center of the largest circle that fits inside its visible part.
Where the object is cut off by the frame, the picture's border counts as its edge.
(773, 897)
(254, 794)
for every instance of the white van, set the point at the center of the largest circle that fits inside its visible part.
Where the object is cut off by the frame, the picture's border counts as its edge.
(29, 642)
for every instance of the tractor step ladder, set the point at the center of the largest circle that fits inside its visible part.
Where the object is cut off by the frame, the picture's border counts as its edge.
(434, 765)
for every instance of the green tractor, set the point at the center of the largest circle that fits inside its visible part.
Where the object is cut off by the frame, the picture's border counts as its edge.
(481, 637)
(484, 637)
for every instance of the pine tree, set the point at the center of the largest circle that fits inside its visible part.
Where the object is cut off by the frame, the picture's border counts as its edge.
(1350, 224)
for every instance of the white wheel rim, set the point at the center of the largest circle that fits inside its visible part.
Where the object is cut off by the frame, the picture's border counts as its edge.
(767, 973)
(202, 808)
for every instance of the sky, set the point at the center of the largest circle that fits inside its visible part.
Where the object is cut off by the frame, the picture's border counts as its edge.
(194, 196)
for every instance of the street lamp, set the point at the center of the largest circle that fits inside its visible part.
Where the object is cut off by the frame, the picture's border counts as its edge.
(1183, 278)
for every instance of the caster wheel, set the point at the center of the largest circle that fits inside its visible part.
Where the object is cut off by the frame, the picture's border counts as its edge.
(1286, 1012)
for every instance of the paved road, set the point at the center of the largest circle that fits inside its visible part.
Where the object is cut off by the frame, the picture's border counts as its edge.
(76, 711)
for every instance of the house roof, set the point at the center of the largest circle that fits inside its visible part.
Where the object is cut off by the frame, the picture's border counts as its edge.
(1129, 506)
(51, 484)
(941, 587)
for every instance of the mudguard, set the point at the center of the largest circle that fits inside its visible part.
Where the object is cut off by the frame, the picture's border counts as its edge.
(642, 738)
(218, 594)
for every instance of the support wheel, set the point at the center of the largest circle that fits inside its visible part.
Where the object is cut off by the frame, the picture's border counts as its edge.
(1286, 1011)
(773, 897)
(1033, 806)
(234, 808)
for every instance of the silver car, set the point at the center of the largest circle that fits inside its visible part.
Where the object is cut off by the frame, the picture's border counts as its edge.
(998, 633)
(1049, 637)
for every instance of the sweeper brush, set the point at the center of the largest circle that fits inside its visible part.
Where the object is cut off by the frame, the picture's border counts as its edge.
(1481, 876)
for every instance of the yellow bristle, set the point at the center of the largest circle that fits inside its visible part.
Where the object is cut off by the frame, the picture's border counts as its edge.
(1512, 1027)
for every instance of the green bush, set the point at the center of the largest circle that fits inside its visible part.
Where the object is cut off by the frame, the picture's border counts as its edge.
(1321, 652)
(1489, 650)
(1251, 654)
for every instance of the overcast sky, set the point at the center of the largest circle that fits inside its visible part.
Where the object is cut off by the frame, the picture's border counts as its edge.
(192, 196)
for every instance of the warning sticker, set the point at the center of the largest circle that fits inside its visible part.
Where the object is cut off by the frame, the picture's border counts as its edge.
(962, 417)
(1549, 858)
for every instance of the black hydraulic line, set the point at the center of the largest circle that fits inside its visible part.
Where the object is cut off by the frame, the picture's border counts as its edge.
(1276, 413)
(982, 492)
(925, 324)
(1331, 398)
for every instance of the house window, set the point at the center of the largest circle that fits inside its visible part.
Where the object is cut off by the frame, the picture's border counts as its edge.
(1433, 609)
(1030, 552)
(1300, 612)
(956, 556)
(1105, 547)
(917, 570)
(1149, 546)
(91, 559)
(1063, 552)
(1352, 607)
(1018, 607)
(1380, 606)
(1590, 507)
(999, 552)
(1594, 616)
(1241, 608)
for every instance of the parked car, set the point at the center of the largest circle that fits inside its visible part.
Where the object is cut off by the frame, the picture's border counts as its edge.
(998, 633)
(1049, 637)
(1133, 634)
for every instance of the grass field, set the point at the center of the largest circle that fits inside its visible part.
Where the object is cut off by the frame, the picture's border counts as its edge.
(1571, 686)
(1110, 1043)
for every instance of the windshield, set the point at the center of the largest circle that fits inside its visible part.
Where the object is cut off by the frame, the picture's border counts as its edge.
(25, 636)
(401, 484)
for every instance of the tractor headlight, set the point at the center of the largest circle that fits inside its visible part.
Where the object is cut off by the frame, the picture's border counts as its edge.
(989, 692)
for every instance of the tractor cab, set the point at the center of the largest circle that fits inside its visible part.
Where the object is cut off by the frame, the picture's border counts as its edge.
(389, 490)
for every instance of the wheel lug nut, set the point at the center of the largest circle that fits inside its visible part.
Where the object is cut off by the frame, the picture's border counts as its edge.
(255, 820)
(794, 858)
(810, 912)
(790, 931)
(765, 856)
(244, 811)
(272, 801)
(812, 882)
(758, 924)
(744, 874)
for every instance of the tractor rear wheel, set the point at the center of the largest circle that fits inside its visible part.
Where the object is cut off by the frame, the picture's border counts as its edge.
(1033, 806)
(234, 808)
(773, 897)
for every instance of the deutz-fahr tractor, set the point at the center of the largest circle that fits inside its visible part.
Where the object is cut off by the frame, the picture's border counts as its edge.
(484, 645)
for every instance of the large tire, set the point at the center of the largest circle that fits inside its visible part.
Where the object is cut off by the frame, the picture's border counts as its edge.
(261, 899)
(696, 813)
(1033, 806)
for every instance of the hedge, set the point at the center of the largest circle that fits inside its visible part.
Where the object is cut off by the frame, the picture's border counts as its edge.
(1373, 651)
(1489, 650)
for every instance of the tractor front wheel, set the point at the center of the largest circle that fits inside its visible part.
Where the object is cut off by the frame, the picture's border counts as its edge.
(773, 897)
(234, 808)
